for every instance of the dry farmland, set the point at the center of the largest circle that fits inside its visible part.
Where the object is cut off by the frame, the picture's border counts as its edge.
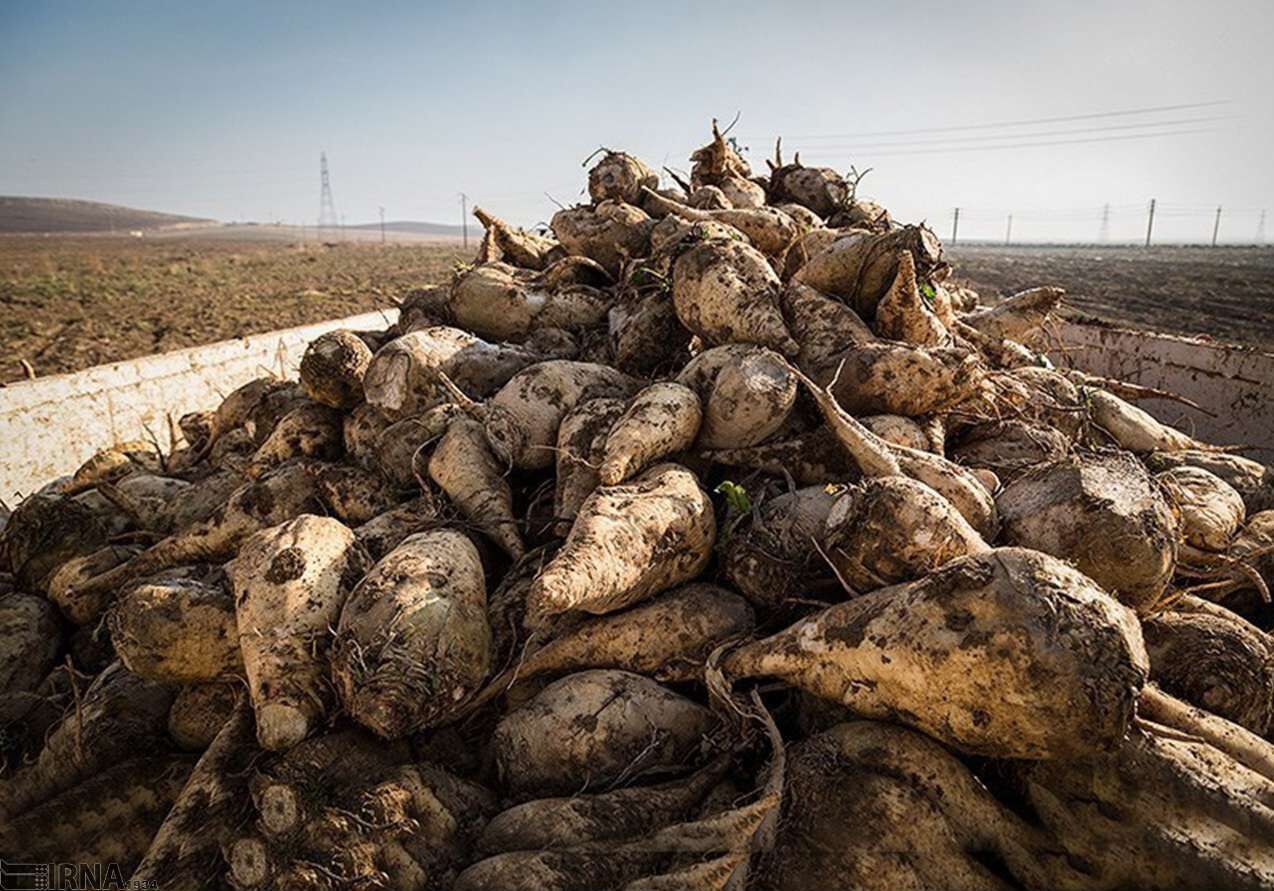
(71, 302)
(1226, 293)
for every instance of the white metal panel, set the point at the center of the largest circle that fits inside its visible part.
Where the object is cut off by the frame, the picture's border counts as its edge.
(49, 426)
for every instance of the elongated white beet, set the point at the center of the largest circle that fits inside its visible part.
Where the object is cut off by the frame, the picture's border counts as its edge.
(629, 542)
(401, 449)
(717, 161)
(402, 379)
(747, 392)
(776, 555)
(30, 640)
(109, 818)
(1213, 659)
(529, 250)
(290, 582)
(352, 494)
(1009, 653)
(892, 530)
(80, 604)
(1139, 815)
(725, 292)
(656, 860)
(934, 823)
(1019, 317)
(609, 232)
(277, 496)
(198, 713)
(155, 503)
(413, 640)
(120, 716)
(859, 266)
(1009, 448)
(501, 302)
(667, 638)
(463, 466)
(886, 377)
(523, 417)
(662, 420)
(619, 176)
(809, 459)
(310, 430)
(1104, 514)
(702, 198)
(768, 228)
(902, 315)
(186, 849)
(114, 462)
(1211, 511)
(547, 823)
(897, 430)
(1252, 480)
(386, 531)
(824, 328)
(360, 431)
(877, 458)
(1134, 428)
(44, 532)
(645, 334)
(594, 728)
(332, 369)
(820, 189)
(178, 630)
(581, 448)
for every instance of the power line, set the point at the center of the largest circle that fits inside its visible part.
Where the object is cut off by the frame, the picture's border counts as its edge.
(990, 148)
(1025, 122)
(1074, 130)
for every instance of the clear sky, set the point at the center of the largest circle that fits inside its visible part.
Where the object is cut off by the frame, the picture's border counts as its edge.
(221, 108)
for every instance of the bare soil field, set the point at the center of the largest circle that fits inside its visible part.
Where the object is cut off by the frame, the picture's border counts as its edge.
(1226, 293)
(71, 302)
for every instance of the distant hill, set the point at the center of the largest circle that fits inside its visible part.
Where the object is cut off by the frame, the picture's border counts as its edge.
(67, 215)
(416, 227)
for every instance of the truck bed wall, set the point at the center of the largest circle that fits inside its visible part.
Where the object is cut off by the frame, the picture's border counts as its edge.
(48, 427)
(1234, 383)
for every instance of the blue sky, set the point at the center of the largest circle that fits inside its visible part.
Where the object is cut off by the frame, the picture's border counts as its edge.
(221, 108)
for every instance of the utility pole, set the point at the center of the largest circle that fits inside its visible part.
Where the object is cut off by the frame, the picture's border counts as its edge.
(1260, 229)
(1216, 225)
(1104, 235)
(382, 223)
(327, 207)
(1008, 231)
(955, 226)
(1150, 224)
(464, 219)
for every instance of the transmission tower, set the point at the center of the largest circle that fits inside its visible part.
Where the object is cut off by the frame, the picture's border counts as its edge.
(327, 207)
(1104, 235)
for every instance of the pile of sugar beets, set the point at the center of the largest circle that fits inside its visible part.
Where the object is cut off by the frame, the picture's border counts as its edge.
(715, 540)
